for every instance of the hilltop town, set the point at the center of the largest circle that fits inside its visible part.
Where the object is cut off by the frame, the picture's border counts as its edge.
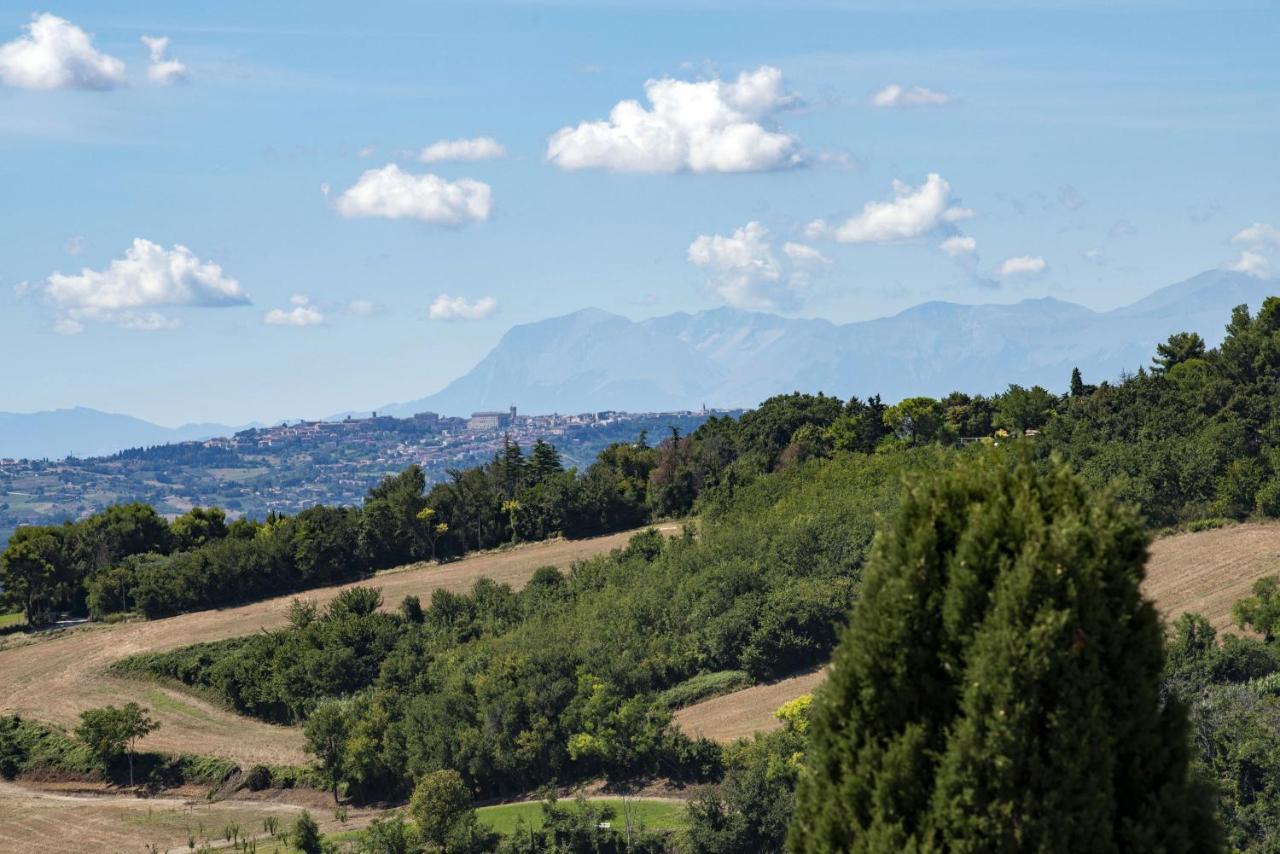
(293, 465)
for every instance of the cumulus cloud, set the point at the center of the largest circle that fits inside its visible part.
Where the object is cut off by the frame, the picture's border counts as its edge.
(56, 54)
(303, 313)
(446, 307)
(914, 212)
(704, 126)
(393, 194)
(1252, 263)
(959, 245)
(1022, 265)
(480, 148)
(895, 95)
(163, 68)
(744, 271)
(1258, 234)
(148, 276)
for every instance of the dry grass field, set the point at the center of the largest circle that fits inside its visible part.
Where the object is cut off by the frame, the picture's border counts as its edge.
(56, 678)
(50, 822)
(1205, 572)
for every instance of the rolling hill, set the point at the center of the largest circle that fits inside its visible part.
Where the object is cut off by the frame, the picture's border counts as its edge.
(84, 432)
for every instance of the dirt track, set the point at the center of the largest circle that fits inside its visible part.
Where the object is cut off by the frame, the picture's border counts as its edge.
(55, 679)
(1206, 572)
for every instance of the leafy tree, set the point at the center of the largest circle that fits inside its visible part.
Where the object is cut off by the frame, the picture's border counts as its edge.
(916, 420)
(32, 571)
(306, 834)
(1181, 347)
(441, 802)
(326, 731)
(1000, 628)
(110, 732)
(1077, 383)
(1261, 611)
(198, 526)
(1020, 409)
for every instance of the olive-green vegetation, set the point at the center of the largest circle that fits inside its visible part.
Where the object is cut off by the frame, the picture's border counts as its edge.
(562, 681)
(999, 685)
(1232, 686)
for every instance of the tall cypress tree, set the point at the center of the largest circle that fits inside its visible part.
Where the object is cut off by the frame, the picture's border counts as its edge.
(998, 688)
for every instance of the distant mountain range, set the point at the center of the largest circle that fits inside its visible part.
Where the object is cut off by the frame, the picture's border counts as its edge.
(86, 432)
(594, 360)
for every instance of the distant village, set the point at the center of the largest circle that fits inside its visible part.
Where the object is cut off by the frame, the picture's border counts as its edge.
(288, 467)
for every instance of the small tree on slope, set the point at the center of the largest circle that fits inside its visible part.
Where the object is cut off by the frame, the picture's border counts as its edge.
(998, 689)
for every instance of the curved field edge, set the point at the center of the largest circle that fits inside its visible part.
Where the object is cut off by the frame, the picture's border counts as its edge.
(1204, 572)
(54, 679)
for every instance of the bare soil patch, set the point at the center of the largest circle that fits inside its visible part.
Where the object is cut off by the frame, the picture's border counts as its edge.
(55, 678)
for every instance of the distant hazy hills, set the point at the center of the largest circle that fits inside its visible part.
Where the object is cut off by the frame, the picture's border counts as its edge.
(593, 360)
(88, 433)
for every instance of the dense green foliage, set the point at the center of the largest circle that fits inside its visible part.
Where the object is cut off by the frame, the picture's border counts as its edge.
(1197, 436)
(1232, 686)
(1000, 630)
(563, 679)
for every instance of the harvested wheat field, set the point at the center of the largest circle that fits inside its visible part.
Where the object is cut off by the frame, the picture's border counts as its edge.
(49, 822)
(56, 678)
(1209, 571)
(1205, 572)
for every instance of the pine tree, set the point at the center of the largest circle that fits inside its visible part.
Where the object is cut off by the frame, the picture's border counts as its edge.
(1077, 383)
(998, 689)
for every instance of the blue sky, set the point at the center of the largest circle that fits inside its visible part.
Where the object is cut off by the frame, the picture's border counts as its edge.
(1089, 152)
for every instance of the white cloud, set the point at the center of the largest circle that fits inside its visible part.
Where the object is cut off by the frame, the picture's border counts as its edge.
(959, 245)
(446, 307)
(1095, 256)
(56, 54)
(392, 194)
(163, 69)
(744, 271)
(1253, 263)
(1258, 234)
(148, 276)
(366, 151)
(801, 254)
(361, 307)
(895, 95)
(303, 313)
(914, 212)
(1020, 265)
(480, 148)
(74, 245)
(704, 126)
